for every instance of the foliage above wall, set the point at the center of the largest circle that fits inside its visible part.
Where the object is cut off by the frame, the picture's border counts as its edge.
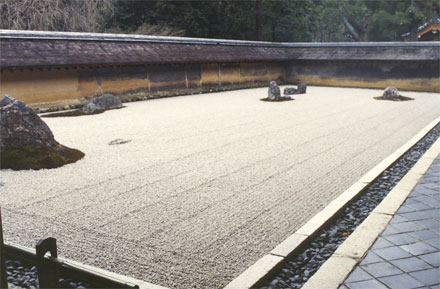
(268, 20)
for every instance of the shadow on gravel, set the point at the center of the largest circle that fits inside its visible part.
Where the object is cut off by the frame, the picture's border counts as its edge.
(278, 100)
(76, 112)
(400, 98)
(31, 158)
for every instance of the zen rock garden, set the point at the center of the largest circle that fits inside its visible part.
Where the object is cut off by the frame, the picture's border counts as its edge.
(26, 142)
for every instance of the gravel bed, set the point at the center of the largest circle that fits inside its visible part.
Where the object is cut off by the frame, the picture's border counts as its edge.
(24, 275)
(300, 267)
(214, 179)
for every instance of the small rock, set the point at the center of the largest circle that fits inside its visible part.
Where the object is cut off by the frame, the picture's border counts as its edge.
(307, 273)
(302, 87)
(103, 102)
(391, 93)
(119, 141)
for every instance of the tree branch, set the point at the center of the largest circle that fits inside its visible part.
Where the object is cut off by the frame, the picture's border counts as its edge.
(349, 27)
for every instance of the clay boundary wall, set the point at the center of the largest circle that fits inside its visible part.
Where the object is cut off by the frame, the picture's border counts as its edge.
(51, 70)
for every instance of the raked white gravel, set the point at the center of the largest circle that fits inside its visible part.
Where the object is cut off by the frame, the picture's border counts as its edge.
(209, 183)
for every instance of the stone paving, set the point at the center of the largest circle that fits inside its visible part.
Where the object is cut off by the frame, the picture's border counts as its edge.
(209, 183)
(407, 254)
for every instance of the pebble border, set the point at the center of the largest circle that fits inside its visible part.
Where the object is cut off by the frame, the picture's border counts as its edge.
(27, 271)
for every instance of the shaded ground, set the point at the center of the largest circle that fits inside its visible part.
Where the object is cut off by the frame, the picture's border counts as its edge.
(209, 183)
(76, 112)
(25, 158)
(400, 98)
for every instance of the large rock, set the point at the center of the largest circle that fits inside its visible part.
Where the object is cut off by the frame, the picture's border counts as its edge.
(274, 92)
(302, 87)
(103, 102)
(391, 93)
(26, 142)
(21, 126)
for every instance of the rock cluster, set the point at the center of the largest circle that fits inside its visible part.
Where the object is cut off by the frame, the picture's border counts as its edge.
(391, 93)
(26, 142)
(302, 87)
(21, 275)
(274, 93)
(103, 102)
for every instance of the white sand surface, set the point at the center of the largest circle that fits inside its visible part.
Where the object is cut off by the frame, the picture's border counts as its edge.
(209, 183)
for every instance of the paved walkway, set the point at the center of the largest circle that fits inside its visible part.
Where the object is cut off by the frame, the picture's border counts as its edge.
(407, 253)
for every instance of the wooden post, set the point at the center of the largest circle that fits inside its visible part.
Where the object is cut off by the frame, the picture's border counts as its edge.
(3, 276)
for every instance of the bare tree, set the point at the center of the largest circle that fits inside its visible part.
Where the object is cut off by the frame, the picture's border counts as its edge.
(53, 15)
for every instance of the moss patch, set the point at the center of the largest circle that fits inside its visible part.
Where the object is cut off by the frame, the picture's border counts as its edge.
(25, 158)
(76, 112)
(400, 98)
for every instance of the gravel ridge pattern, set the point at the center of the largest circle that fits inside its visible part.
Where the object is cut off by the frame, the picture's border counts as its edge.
(209, 183)
(300, 267)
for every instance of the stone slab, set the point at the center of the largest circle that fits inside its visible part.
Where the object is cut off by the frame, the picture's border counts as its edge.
(392, 202)
(255, 273)
(320, 219)
(357, 244)
(331, 274)
(289, 245)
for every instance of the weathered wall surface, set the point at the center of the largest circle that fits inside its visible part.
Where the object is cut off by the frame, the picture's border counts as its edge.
(405, 75)
(57, 69)
(73, 85)
(44, 85)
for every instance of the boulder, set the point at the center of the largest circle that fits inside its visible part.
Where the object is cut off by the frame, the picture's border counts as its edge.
(26, 142)
(103, 102)
(21, 126)
(274, 92)
(302, 87)
(391, 93)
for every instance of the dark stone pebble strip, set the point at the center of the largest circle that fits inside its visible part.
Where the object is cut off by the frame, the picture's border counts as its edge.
(300, 267)
(25, 276)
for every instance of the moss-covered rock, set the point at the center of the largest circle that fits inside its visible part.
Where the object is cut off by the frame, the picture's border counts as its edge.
(26, 142)
(35, 158)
